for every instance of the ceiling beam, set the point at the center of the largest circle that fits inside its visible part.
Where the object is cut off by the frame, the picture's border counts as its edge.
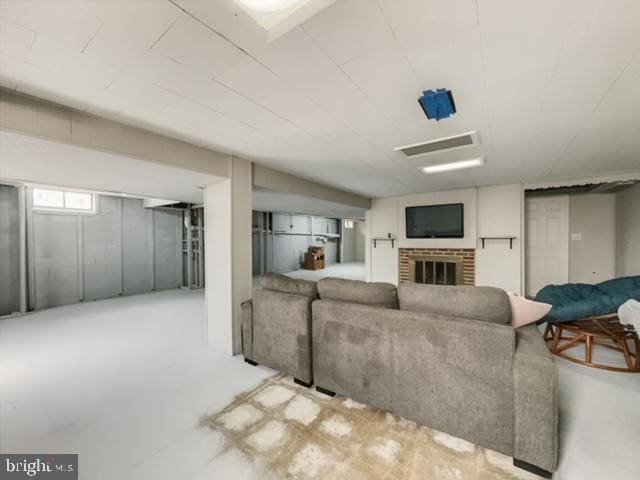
(37, 118)
(273, 180)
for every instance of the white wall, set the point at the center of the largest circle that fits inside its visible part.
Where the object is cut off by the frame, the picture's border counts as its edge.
(628, 232)
(382, 221)
(490, 211)
(592, 238)
(468, 197)
(500, 214)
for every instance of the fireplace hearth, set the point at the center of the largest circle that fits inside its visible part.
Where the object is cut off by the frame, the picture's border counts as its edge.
(441, 266)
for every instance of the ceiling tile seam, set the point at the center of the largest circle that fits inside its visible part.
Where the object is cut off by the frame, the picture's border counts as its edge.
(536, 124)
(20, 86)
(346, 75)
(113, 80)
(16, 23)
(265, 66)
(33, 42)
(394, 178)
(486, 88)
(247, 53)
(558, 57)
(28, 62)
(346, 125)
(166, 30)
(255, 102)
(607, 91)
(86, 45)
(195, 102)
(221, 35)
(400, 45)
(159, 53)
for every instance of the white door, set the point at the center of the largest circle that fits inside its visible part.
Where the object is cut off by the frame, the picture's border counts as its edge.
(547, 246)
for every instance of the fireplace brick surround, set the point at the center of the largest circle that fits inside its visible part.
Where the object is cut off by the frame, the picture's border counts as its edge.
(468, 256)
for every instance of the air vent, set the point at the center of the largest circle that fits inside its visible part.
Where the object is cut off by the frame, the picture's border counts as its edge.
(468, 139)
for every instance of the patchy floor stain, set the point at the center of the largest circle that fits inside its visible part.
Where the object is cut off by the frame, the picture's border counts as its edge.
(286, 431)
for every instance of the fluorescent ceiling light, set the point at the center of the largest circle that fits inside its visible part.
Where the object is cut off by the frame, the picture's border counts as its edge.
(268, 5)
(445, 167)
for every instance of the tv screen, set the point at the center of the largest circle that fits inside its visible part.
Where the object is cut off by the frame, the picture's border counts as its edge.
(435, 221)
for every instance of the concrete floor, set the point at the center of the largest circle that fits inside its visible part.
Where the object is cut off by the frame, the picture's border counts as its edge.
(126, 382)
(122, 382)
(350, 270)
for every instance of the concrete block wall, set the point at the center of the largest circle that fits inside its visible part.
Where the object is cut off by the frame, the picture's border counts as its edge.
(123, 249)
(9, 251)
(292, 236)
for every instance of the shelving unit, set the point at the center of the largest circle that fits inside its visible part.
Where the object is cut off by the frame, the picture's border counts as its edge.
(388, 238)
(511, 239)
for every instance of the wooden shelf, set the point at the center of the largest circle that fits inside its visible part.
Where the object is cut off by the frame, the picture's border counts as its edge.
(511, 239)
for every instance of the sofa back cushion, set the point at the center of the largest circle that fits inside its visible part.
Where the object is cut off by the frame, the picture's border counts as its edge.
(488, 304)
(354, 291)
(283, 284)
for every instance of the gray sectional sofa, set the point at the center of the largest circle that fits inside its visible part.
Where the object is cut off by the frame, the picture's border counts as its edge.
(276, 326)
(445, 357)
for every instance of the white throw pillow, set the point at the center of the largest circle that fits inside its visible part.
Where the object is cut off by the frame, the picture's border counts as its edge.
(525, 312)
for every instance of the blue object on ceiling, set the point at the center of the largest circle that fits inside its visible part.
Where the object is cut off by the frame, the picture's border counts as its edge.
(437, 104)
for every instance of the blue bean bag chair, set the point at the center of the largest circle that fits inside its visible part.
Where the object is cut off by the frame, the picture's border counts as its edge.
(574, 301)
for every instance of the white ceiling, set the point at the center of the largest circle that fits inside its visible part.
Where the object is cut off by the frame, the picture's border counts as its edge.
(552, 86)
(270, 201)
(30, 159)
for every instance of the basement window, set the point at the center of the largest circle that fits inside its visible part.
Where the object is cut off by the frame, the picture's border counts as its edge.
(348, 224)
(63, 201)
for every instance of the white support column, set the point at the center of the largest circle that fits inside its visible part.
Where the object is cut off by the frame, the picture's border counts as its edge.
(241, 247)
(227, 210)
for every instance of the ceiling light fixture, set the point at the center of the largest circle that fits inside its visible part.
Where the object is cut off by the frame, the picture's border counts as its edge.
(445, 167)
(268, 6)
(278, 17)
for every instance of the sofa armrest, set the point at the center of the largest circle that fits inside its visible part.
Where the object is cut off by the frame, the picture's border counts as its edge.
(282, 333)
(536, 400)
(247, 329)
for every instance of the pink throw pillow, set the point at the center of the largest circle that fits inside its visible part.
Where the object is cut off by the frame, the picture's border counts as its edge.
(525, 312)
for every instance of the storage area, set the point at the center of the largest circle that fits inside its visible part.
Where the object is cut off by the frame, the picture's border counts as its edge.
(282, 240)
(84, 246)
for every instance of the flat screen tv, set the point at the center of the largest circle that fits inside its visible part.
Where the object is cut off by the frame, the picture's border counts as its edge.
(435, 221)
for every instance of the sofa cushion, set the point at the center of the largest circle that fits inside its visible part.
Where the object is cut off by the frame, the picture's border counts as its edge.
(488, 304)
(281, 283)
(369, 293)
(574, 301)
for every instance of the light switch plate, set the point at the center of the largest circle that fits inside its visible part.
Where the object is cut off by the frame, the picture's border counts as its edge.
(576, 236)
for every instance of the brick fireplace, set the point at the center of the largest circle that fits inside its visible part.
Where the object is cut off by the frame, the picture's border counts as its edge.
(440, 266)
